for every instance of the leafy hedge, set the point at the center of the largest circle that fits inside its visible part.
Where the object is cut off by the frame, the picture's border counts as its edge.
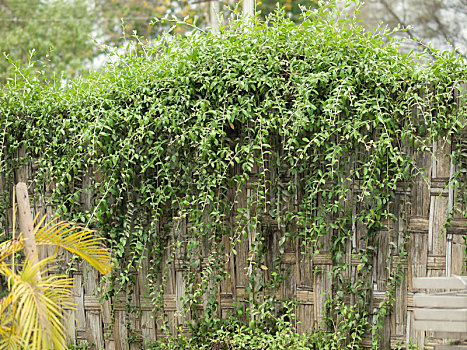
(167, 130)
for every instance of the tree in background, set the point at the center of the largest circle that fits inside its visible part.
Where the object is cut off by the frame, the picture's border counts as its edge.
(67, 28)
(62, 32)
(119, 19)
(292, 7)
(59, 27)
(442, 23)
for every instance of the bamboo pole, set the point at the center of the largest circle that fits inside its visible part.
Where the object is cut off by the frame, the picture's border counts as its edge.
(26, 223)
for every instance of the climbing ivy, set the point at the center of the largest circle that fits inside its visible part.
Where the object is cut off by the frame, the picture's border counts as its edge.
(174, 132)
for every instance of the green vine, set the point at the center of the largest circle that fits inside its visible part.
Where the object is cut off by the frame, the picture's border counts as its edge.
(183, 151)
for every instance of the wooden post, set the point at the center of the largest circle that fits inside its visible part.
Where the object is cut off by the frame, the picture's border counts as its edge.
(248, 10)
(213, 15)
(25, 223)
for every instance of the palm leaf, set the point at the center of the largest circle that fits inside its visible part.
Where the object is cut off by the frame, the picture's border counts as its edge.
(9, 247)
(9, 339)
(37, 306)
(32, 315)
(75, 239)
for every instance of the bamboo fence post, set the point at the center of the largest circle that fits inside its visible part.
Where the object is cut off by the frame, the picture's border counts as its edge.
(26, 223)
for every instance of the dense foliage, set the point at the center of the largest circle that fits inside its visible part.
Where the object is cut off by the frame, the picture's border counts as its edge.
(301, 112)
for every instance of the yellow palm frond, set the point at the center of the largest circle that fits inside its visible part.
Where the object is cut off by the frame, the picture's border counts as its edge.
(33, 314)
(37, 306)
(79, 241)
(9, 339)
(9, 247)
(75, 239)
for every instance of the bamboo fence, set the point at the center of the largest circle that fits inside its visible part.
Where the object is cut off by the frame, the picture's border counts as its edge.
(434, 249)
